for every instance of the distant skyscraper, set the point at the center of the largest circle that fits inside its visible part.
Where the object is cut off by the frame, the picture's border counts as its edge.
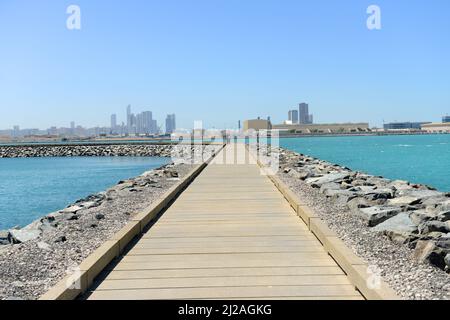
(446, 119)
(293, 116)
(170, 123)
(129, 120)
(304, 116)
(147, 122)
(16, 131)
(113, 123)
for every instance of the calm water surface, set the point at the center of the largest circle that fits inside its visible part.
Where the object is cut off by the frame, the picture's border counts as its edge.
(33, 187)
(416, 158)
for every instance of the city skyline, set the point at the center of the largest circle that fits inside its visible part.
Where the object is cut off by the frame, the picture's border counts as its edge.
(218, 66)
(135, 124)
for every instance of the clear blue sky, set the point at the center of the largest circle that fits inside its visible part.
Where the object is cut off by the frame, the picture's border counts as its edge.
(223, 60)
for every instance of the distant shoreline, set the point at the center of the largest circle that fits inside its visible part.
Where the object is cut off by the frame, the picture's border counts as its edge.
(312, 135)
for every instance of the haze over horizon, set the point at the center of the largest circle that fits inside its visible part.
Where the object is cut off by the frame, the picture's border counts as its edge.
(223, 61)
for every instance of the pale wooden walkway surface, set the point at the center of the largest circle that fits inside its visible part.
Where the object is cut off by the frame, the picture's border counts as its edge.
(230, 235)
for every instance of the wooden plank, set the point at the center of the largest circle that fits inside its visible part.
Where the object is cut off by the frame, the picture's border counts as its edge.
(223, 264)
(250, 281)
(225, 272)
(186, 259)
(258, 292)
(228, 249)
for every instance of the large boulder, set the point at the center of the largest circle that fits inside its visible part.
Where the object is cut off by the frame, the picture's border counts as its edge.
(444, 242)
(71, 209)
(434, 226)
(328, 178)
(24, 235)
(420, 194)
(399, 228)
(379, 193)
(400, 223)
(447, 261)
(4, 237)
(377, 214)
(341, 196)
(404, 201)
(330, 186)
(357, 203)
(428, 251)
(421, 216)
(443, 216)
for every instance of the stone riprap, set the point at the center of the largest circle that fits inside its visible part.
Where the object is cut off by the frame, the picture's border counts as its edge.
(414, 218)
(36, 257)
(148, 150)
(406, 212)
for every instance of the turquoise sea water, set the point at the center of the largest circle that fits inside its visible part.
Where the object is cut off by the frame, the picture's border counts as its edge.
(33, 187)
(415, 158)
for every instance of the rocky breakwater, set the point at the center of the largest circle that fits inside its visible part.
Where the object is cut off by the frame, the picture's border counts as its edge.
(414, 215)
(85, 150)
(36, 257)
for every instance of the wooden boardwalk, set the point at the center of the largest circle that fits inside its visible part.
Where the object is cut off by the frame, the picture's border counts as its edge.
(230, 235)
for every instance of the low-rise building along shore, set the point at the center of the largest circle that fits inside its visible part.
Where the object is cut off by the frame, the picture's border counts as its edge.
(437, 127)
(322, 128)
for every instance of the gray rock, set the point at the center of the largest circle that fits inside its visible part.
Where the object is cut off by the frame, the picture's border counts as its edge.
(71, 209)
(4, 237)
(60, 239)
(328, 178)
(403, 201)
(357, 203)
(340, 195)
(421, 216)
(399, 185)
(90, 204)
(384, 193)
(447, 260)
(377, 214)
(437, 203)
(99, 216)
(24, 235)
(400, 229)
(330, 186)
(444, 242)
(428, 251)
(420, 194)
(443, 216)
(399, 223)
(363, 189)
(44, 246)
(432, 226)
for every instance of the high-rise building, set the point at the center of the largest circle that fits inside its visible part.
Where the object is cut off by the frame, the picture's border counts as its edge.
(147, 122)
(16, 131)
(113, 123)
(129, 119)
(446, 119)
(170, 123)
(154, 127)
(293, 116)
(304, 116)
